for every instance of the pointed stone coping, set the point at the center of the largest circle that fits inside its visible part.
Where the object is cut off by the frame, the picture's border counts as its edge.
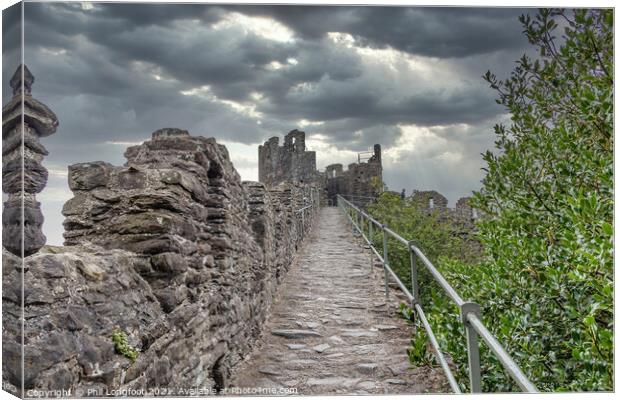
(16, 80)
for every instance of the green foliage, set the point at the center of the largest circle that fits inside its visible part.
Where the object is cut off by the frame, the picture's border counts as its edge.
(548, 198)
(122, 346)
(433, 235)
(437, 238)
(417, 351)
(546, 282)
(377, 185)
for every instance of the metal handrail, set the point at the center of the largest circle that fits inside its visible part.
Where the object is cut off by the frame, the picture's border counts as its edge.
(470, 312)
(315, 203)
(358, 196)
(359, 200)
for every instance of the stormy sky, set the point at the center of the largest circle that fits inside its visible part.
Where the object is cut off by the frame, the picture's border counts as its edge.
(408, 78)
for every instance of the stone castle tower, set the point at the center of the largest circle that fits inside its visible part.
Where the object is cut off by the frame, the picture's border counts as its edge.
(288, 163)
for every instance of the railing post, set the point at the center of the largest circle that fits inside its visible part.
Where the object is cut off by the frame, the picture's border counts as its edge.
(385, 260)
(371, 243)
(473, 350)
(414, 274)
(360, 225)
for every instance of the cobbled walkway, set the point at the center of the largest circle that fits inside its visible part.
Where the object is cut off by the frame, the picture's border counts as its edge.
(331, 331)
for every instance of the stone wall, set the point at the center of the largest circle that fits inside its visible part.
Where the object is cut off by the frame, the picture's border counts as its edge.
(433, 201)
(290, 162)
(461, 218)
(360, 181)
(173, 250)
(430, 201)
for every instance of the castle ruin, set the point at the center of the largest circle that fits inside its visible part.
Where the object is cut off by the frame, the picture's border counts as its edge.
(288, 163)
(293, 163)
(431, 201)
(360, 180)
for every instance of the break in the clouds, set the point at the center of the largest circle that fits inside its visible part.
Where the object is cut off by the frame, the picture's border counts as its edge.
(408, 78)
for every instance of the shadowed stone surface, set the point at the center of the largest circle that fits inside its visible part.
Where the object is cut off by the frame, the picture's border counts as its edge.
(359, 343)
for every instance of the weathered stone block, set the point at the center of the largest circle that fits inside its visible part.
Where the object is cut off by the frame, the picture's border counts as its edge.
(170, 263)
(87, 176)
(131, 178)
(148, 222)
(34, 176)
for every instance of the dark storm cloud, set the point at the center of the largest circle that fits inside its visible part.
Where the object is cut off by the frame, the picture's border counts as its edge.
(157, 14)
(178, 39)
(334, 101)
(114, 73)
(110, 52)
(435, 32)
(11, 23)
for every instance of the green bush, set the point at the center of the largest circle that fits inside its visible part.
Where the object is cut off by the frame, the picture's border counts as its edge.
(548, 197)
(545, 283)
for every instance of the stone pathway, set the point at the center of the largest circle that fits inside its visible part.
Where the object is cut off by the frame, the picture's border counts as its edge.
(331, 330)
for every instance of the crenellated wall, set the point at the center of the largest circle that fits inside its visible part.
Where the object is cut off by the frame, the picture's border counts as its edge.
(173, 250)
